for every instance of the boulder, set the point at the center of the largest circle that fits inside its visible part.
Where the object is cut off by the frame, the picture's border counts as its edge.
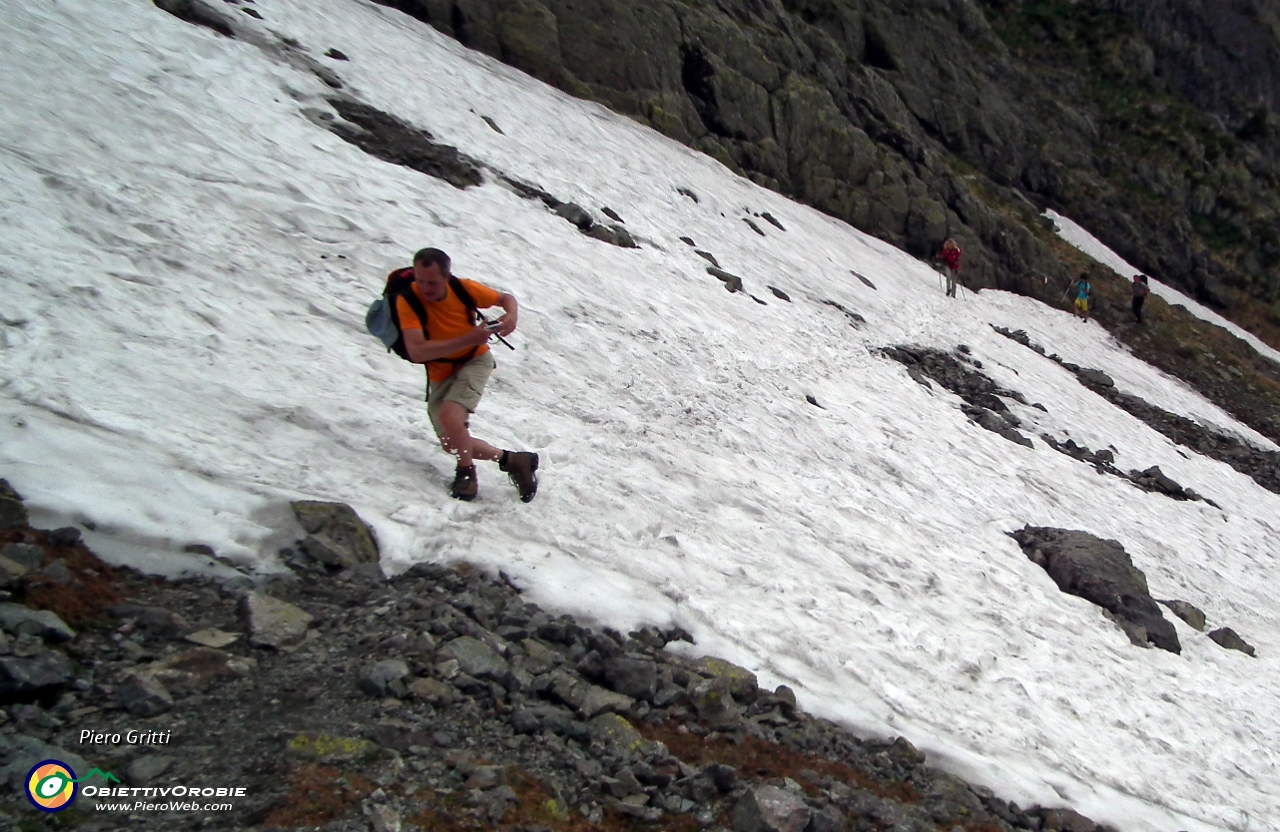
(1187, 612)
(272, 622)
(26, 677)
(770, 809)
(13, 514)
(731, 281)
(475, 658)
(21, 753)
(142, 695)
(632, 675)
(384, 678)
(1100, 571)
(336, 535)
(713, 701)
(1227, 637)
(742, 682)
(616, 731)
(19, 620)
(26, 555)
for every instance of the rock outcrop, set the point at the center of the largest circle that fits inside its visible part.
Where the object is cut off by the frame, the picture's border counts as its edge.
(1100, 571)
(915, 121)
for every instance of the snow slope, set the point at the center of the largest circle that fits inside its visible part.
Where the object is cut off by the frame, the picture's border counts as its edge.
(186, 256)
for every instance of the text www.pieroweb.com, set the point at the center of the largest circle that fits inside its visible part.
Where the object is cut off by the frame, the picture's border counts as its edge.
(161, 799)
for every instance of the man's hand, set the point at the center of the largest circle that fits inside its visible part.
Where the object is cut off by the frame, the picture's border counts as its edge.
(503, 326)
(477, 336)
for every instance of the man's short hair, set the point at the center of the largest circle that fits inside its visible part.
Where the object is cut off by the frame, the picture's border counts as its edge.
(433, 257)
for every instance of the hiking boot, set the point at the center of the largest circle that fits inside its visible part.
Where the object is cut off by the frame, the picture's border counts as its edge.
(465, 486)
(520, 467)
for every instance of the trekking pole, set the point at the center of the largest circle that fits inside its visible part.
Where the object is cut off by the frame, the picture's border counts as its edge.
(488, 322)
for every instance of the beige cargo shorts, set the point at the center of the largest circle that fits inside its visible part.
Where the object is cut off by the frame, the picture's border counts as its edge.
(465, 387)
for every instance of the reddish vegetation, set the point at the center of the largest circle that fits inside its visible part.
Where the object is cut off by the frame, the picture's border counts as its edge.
(754, 758)
(317, 795)
(95, 586)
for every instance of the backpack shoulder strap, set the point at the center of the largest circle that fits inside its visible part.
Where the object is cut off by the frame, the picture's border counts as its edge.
(465, 297)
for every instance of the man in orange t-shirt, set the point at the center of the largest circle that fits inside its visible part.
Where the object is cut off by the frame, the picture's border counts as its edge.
(456, 352)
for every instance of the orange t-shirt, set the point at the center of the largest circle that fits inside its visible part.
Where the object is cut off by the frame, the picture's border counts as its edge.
(447, 319)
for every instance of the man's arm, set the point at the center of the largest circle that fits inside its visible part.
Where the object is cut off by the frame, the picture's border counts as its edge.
(421, 350)
(507, 323)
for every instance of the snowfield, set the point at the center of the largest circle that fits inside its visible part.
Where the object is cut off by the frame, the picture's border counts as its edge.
(186, 255)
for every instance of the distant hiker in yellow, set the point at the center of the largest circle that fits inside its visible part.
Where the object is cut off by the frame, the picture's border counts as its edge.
(1082, 297)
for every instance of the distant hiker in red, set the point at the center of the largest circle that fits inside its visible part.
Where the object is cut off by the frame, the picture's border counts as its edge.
(950, 255)
(443, 333)
(1140, 291)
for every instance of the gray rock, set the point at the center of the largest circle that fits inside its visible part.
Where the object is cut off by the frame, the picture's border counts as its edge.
(337, 533)
(612, 234)
(1154, 478)
(1068, 820)
(614, 731)
(1187, 612)
(10, 572)
(524, 721)
(1097, 377)
(1101, 572)
(142, 695)
(212, 637)
(713, 701)
(21, 752)
(19, 620)
(25, 555)
(588, 699)
(632, 675)
(271, 622)
(21, 677)
(146, 769)
(731, 281)
(595, 700)
(65, 536)
(770, 809)
(828, 819)
(385, 677)
(742, 682)
(384, 818)
(13, 514)
(1227, 637)
(154, 619)
(475, 658)
(57, 572)
(575, 214)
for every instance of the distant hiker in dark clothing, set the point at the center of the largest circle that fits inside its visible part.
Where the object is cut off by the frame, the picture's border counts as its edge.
(950, 255)
(1082, 297)
(1140, 291)
(456, 352)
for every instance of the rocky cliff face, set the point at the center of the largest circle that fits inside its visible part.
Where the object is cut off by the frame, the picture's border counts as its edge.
(920, 119)
(1221, 54)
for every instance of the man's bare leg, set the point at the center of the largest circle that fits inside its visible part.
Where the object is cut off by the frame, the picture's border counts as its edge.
(457, 439)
